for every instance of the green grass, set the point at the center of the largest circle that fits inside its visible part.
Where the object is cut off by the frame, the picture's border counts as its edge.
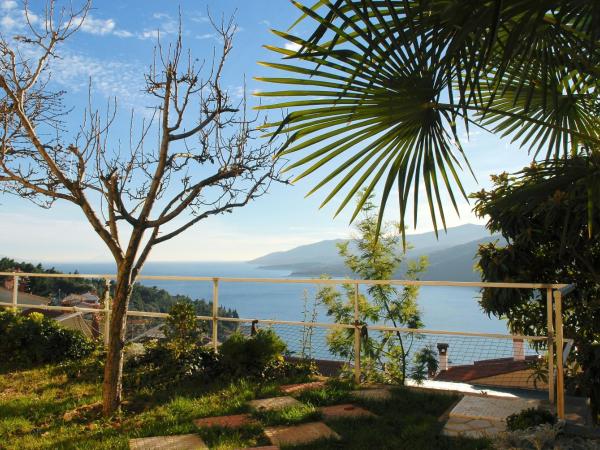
(33, 404)
(292, 415)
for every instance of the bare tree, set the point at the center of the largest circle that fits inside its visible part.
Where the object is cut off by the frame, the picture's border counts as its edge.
(192, 158)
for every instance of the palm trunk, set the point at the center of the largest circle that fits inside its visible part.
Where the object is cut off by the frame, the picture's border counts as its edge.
(113, 367)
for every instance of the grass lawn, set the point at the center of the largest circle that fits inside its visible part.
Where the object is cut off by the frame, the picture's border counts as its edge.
(43, 408)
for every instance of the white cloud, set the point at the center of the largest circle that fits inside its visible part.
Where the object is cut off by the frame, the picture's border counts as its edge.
(8, 4)
(123, 33)
(292, 46)
(161, 16)
(265, 22)
(15, 20)
(167, 26)
(197, 17)
(123, 80)
(8, 23)
(206, 36)
(98, 26)
(149, 34)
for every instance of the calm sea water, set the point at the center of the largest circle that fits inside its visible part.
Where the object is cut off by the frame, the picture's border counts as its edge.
(443, 308)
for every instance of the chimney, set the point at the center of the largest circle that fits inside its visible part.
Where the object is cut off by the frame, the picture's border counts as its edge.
(443, 352)
(518, 350)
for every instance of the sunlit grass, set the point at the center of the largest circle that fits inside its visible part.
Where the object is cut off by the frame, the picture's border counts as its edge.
(45, 409)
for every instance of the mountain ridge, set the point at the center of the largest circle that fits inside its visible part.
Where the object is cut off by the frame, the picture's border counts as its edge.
(451, 258)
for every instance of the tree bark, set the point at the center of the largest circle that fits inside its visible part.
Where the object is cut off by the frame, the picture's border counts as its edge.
(113, 368)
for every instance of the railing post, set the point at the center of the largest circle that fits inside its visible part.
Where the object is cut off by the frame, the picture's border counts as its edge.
(15, 292)
(560, 381)
(356, 337)
(215, 315)
(106, 301)
(549, 309)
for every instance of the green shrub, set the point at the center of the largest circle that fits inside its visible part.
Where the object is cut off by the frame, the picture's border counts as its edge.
(529, 418)
(35, 339)
(182, 330)
(161, 365)
(178, 356)
(254, 356)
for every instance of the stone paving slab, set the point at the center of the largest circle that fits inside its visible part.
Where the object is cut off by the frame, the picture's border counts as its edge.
(234, 421)
(372, 394)
(346, 411)
(181, 442)
(273, 404)
(300, 434)
(301, 387)
(475, 428)
(491, 408)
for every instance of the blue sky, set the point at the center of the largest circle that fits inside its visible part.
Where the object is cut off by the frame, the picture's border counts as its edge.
(113, 49)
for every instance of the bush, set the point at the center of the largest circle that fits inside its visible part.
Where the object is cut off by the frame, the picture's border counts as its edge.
(529, 418)
(161, 365)
(255, 356)
(182, 330)
(34, 339)
(180, 355)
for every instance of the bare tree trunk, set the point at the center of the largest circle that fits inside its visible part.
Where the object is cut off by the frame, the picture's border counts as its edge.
(113, 368)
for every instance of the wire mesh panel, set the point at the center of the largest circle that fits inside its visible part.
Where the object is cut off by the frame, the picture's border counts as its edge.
(303, 341)
(484, 361)
(141, 329)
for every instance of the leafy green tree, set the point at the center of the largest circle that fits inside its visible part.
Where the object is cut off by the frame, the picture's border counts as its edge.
(381, 92)
(425, 365)
(551, 236)
(377, 258)
(182, 329)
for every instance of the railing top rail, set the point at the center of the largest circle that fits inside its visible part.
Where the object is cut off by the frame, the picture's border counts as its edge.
(305, 280)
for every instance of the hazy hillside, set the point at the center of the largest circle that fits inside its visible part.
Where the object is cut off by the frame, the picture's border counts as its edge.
(450, 258)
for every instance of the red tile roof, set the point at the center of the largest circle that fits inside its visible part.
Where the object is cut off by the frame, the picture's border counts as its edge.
(483, 369)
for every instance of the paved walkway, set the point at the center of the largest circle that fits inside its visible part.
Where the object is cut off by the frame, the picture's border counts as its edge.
(473, 416)
(483, 416)
(304, 433)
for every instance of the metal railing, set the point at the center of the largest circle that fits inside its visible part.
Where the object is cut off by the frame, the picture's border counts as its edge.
(555, 341)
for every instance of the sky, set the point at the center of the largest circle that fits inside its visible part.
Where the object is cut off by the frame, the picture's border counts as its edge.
(113, 49)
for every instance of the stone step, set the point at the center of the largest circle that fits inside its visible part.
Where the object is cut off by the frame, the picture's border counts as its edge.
(491, 408)
(301, 387)
(300, 434)
(474, 428)
(273, 404)
(180, 442)
(346, 411)
(233, 421)
(378, 394)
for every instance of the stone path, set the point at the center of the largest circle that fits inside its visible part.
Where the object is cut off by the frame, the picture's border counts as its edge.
(181, 442)
(301, 387)
(491, 408)
(278, 435)
(235, 421)
(300, 434)
(476, 428)
(484, 416)
(379, 394)
(273, 404)
(346, 411)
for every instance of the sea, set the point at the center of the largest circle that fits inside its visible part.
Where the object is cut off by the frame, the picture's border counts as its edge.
(442, 308)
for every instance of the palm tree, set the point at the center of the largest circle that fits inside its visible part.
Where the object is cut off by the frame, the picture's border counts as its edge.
(382, 90)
